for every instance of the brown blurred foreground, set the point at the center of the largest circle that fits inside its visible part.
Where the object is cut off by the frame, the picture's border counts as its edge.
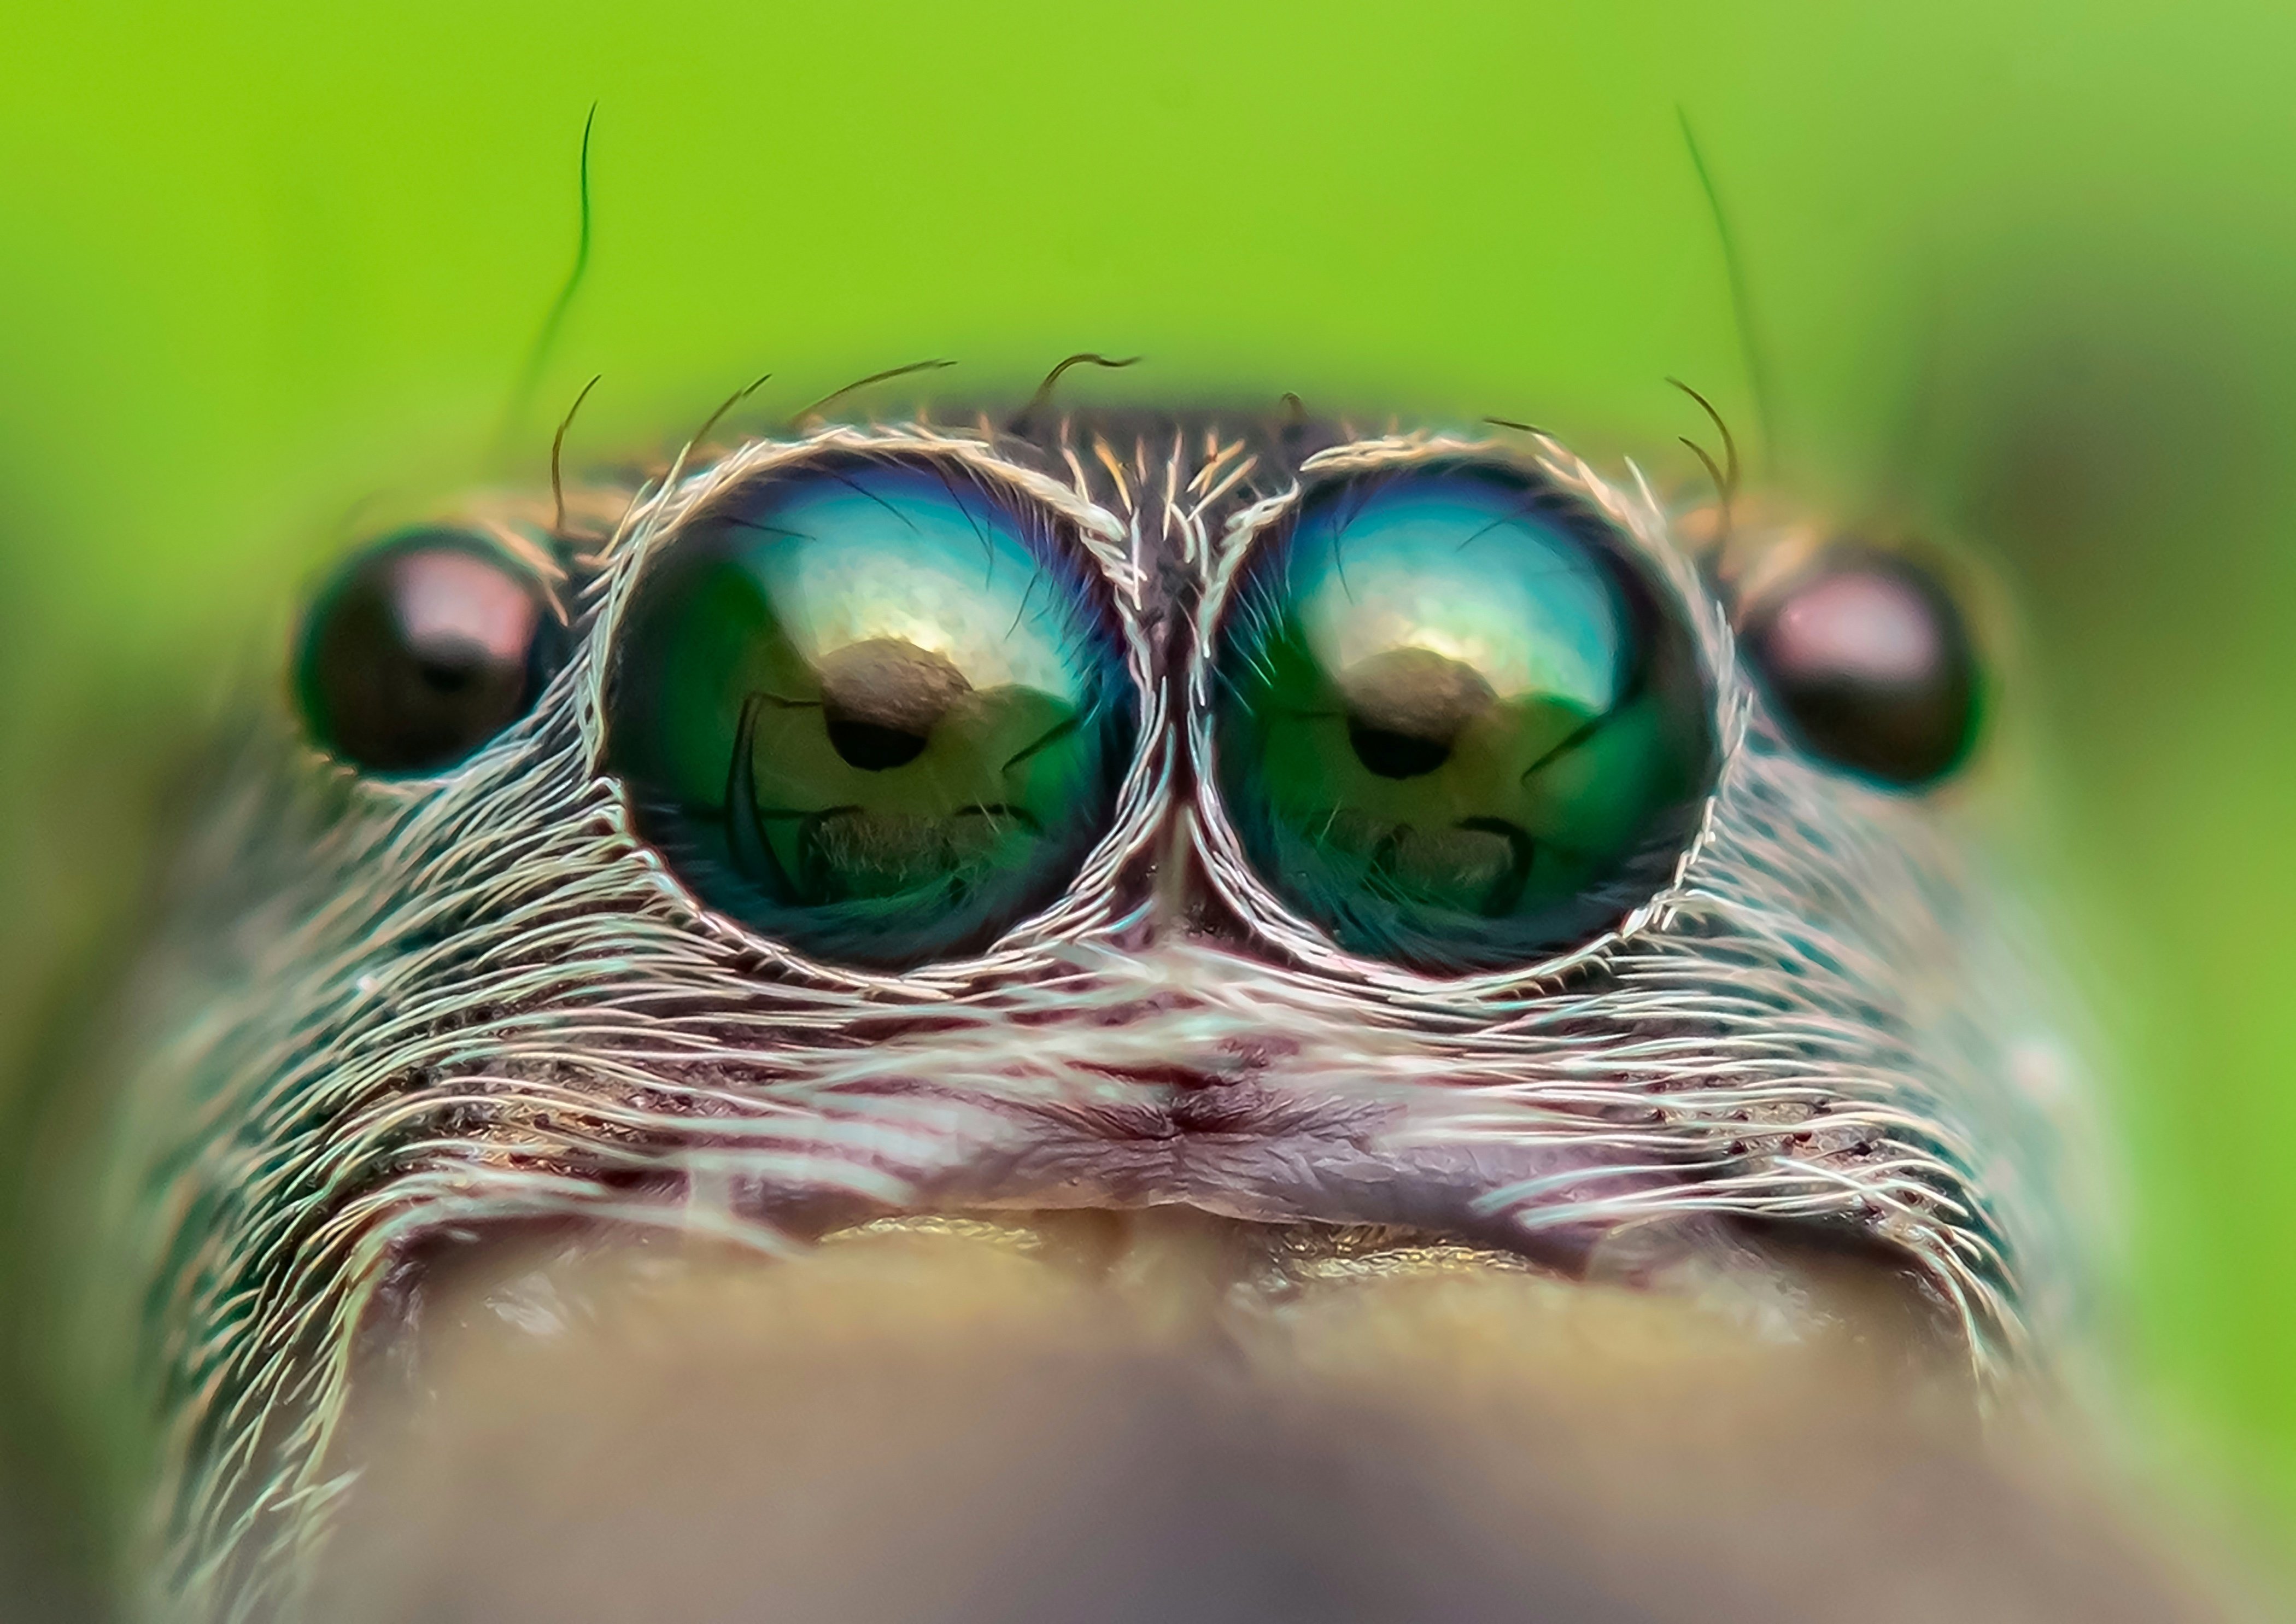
(961, 1424)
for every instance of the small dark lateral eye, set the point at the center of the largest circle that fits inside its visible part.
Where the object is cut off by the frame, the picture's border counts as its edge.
(420, 650)
(1870, 663)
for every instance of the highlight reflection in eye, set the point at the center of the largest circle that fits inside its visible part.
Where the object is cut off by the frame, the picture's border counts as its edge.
(1455, 728)
(870, 707)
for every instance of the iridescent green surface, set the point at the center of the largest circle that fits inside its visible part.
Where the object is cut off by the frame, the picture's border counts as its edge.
(1455, 729)
(869, 709)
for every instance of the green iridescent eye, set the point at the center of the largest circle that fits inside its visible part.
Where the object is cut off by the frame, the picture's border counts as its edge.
(1455, 725)
(873, 706)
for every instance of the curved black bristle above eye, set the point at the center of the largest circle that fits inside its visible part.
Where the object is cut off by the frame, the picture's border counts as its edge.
(1024, 419)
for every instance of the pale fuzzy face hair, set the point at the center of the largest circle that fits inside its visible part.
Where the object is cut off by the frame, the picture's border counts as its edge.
(383, 1014)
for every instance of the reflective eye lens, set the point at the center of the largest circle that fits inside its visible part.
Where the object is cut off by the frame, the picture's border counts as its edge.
(1872, 666)
(1454, 726)
(421, 650)
(872, 708)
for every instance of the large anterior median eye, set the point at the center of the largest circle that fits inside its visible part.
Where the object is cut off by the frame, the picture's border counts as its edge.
(1454, 728)
(873, 708)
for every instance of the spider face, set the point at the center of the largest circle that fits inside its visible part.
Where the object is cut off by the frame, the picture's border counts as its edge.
(1377, 843)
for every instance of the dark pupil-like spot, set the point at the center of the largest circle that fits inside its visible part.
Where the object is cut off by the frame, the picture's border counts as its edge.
(1871, 667)
(871, 706)
(419, 651)
(1408, 706)
(449, 675)
(1456, 726)
(871, 748)
(882, 697)
(1396, 755)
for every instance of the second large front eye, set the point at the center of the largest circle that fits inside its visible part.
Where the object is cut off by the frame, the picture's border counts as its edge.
(1454, 727)
(873, 708)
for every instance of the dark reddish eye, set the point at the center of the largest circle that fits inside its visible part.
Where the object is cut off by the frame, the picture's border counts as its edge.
(1869, 664)
(420, 650)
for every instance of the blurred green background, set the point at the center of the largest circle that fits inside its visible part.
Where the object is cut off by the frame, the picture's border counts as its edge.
(2020, 270)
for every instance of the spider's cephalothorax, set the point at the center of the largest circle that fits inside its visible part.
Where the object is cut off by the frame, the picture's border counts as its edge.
(1322, 831)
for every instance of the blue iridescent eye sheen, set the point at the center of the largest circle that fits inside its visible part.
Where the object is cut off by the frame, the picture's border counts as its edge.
(873, 706)
(1458, 727)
